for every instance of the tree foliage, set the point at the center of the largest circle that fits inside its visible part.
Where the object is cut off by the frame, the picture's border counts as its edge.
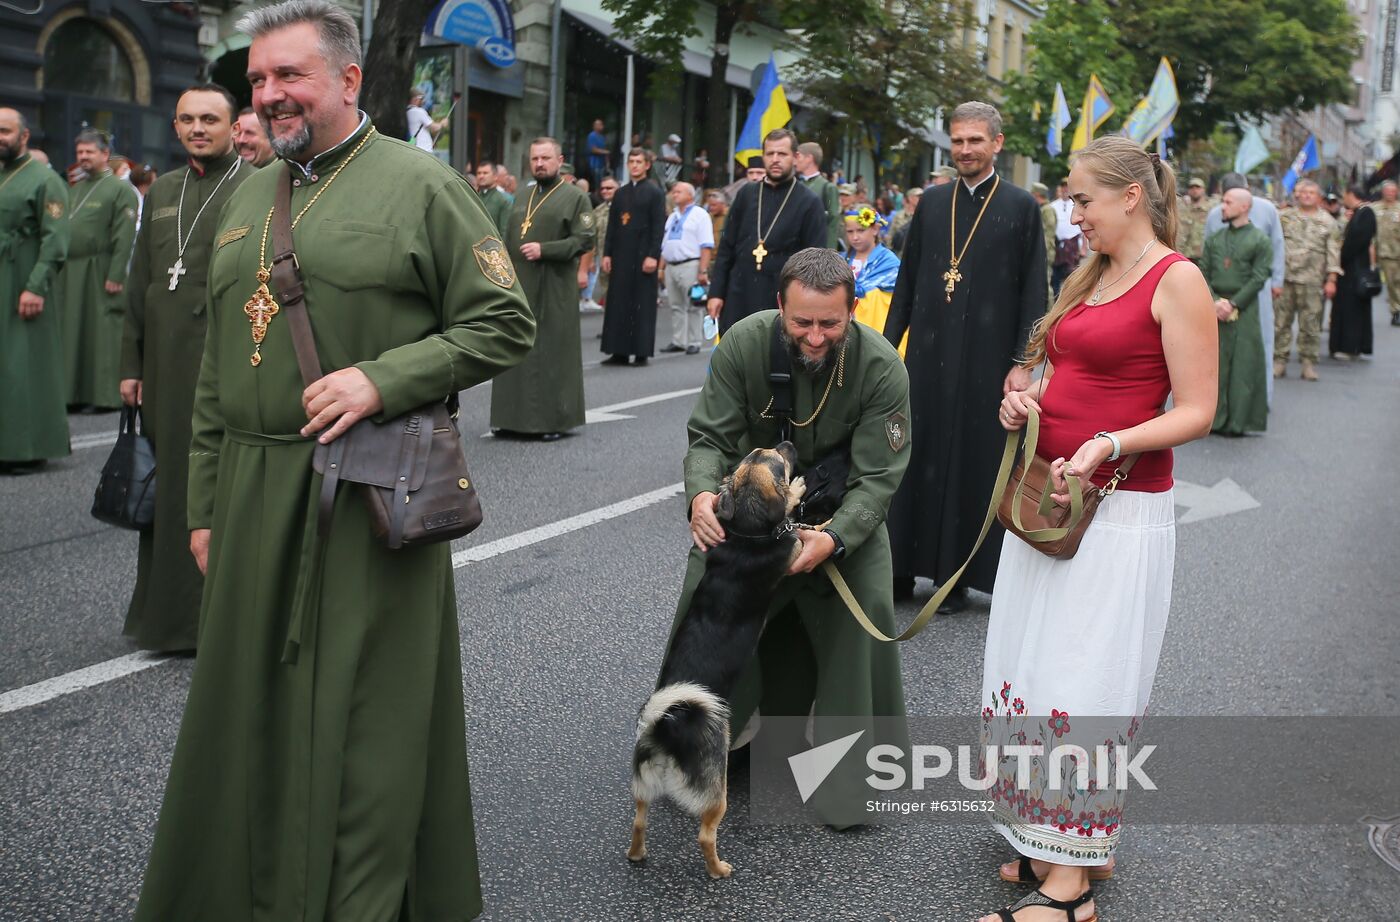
(891, 73)
(1235, 61)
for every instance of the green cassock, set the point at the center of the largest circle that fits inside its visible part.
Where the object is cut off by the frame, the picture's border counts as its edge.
(102, 227)
(544, 393)
(163, 339)
(321, 766)
(813, 652)
(33, 244)
(1236, 263)
(826, 190)
(498, 206)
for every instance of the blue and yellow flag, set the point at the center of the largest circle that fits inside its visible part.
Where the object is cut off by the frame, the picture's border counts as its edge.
(1155, 111)
(1097, 108)
(1059, 121)
(770, 110)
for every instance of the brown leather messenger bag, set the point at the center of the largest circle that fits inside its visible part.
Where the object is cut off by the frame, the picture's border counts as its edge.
(412, 468)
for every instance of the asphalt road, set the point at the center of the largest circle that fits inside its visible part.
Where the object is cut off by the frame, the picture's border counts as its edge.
(1288, 609)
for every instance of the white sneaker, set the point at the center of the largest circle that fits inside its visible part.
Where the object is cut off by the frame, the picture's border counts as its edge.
(589, 306)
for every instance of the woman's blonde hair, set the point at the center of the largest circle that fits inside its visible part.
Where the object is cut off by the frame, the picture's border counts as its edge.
(1115, 163)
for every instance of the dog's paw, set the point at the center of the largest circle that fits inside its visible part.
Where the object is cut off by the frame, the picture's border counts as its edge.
(637, 854)
(796, 488)
(720, 870)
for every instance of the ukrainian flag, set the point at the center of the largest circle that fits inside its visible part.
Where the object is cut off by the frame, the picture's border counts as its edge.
(770, 110)
(1097, 108)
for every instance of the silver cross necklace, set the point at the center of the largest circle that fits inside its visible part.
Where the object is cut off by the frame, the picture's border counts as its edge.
(182, 239)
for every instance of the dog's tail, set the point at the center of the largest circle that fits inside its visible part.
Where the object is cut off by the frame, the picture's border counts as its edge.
(682, 746)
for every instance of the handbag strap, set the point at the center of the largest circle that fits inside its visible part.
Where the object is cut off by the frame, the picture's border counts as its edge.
(291, 296)
(286, 278)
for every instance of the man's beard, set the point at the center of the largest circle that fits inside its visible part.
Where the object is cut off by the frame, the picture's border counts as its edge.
(9, 153)
(781, 179)
(543, 175)
(806, 362)
(297, 144)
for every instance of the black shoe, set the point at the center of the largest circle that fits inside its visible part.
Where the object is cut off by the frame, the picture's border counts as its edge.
(957, 601)
(692, 350)
(20, 468)
(639, 361)
(903, 588)
(1395, 320)
(672, 347)
(614, 360)
(551, 436)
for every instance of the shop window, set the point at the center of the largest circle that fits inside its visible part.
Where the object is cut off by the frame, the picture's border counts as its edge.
(84, 58)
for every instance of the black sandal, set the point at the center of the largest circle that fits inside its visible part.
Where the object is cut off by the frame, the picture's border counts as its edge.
(1037, 898)
(1025, 874)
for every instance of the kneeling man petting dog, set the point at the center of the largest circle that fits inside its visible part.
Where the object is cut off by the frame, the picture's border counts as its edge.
(846, 394)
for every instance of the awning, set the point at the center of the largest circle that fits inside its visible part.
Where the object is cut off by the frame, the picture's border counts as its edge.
(693, 61)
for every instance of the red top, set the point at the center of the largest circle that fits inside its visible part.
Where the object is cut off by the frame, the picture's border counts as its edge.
(1110, 374)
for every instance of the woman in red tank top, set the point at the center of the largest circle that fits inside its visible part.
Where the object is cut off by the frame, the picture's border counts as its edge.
(1072, 645)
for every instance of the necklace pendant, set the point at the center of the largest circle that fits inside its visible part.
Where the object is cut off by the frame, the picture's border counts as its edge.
(758, 253)
(261, 308)
(525, 227)
(175, 272)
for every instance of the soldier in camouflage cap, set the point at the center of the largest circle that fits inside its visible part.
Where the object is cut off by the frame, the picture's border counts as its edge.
(1388, 245)
(1307, 233)
(1191, 219)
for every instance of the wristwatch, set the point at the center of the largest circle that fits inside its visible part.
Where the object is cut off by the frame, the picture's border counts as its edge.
(1113, 440)
(840, 551)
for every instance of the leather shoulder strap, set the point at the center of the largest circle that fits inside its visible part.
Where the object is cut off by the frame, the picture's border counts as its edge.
(780, 381)
(286, 278)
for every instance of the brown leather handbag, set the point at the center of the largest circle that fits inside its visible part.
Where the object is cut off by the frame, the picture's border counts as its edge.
(412, 468)
(1027, 510)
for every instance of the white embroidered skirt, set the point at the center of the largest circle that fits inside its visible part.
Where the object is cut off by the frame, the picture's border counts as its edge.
(1074, 639)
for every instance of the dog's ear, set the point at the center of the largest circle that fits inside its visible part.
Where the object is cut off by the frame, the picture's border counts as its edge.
(788, 452)
(796, 488)
(724, 509)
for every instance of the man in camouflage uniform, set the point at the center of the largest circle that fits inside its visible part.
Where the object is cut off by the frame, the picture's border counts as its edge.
(1388, 245)
(1307, 233)
(1191, 215)
(1049, 220)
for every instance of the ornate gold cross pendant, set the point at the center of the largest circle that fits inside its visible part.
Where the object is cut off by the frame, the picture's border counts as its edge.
(951, 277)
(261, 308)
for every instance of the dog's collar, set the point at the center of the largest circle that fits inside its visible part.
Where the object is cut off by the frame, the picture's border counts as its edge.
(786, 528)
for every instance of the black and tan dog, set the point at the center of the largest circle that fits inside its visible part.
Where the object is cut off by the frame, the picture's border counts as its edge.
(682, 749)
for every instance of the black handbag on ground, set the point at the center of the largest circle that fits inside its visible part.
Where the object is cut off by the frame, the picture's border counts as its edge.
(126, 491)
(412, 468)
(1368, 283)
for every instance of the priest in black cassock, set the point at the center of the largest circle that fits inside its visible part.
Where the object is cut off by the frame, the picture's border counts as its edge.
(631, 254)
(768, 222)
(968, 304)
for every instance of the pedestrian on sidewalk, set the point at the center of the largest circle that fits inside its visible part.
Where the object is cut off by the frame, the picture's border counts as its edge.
(686, 250)
(1350, 334)
(1237, 262)
(1307, 232)
(1076, 642)
(631, 258)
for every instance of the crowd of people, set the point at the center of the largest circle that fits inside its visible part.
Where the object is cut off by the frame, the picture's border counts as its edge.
(917, 327)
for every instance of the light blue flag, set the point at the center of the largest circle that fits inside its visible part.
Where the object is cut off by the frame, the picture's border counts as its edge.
(1252, 151)
(1307, 159)
(1059, 121)
(1155, 111)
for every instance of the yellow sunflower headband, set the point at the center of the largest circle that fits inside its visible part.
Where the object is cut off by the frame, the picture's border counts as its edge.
(866, 216)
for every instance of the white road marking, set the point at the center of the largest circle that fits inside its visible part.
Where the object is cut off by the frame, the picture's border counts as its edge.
(1201, 502)
(79, 679)
(609, 414)
(96, 440)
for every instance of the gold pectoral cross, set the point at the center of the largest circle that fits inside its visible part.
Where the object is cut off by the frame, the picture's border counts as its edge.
(261, 308)
(952, 277)
(525, 228)
(758, 253)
